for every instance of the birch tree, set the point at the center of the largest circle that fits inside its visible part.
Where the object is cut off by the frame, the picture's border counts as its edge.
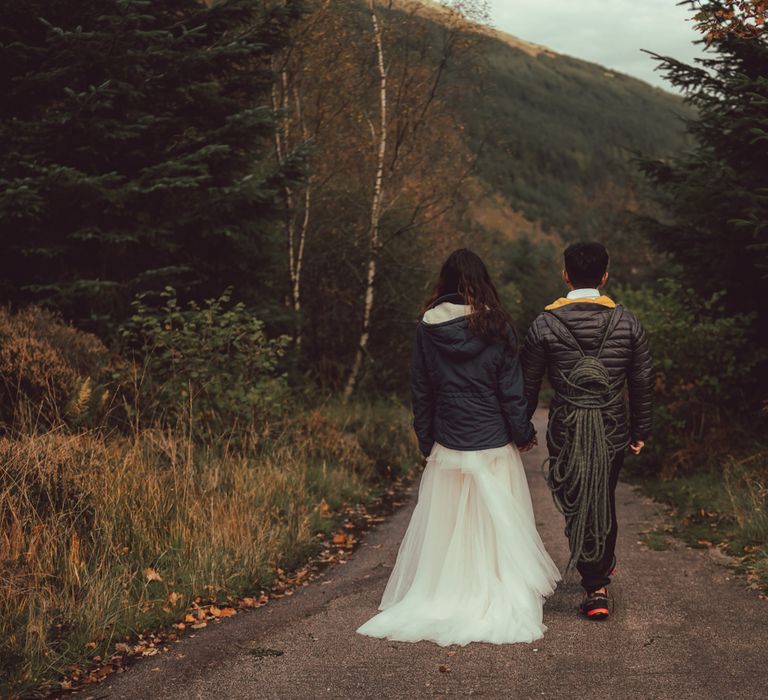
(289, 119)
(395, 132)
(379, 140)
(305, 108)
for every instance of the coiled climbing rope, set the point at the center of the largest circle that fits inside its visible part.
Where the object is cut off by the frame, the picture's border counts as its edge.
(580, 473)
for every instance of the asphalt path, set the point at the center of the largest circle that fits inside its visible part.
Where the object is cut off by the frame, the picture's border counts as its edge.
(683, 626)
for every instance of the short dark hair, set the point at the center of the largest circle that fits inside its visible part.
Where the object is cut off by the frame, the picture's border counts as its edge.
(586, 263)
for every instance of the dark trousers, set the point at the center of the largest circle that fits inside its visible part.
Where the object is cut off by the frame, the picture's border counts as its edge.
(594, 574)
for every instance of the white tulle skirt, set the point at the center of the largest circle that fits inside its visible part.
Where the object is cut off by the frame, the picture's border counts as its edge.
(471, 566)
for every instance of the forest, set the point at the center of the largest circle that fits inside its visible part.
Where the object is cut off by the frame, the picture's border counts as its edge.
(219, 224)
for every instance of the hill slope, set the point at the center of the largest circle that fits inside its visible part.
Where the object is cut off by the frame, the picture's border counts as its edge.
(552, 140)
(555, 134)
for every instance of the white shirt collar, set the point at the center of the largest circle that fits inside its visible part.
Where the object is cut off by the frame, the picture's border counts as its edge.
(584, 293)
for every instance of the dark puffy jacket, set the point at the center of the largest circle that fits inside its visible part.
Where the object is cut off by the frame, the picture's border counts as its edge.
(625, 356)
(467, 392)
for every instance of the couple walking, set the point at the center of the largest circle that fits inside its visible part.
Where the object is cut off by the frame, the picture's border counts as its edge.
(471, 566)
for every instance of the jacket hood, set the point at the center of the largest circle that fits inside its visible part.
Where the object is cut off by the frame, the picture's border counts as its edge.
(446, 325)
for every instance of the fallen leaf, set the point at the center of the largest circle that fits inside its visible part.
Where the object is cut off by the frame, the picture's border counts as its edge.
(152, 575)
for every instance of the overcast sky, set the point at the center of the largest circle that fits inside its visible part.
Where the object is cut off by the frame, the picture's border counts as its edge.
(609, 32)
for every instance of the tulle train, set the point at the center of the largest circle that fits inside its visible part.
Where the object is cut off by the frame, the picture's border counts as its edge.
(471, 566)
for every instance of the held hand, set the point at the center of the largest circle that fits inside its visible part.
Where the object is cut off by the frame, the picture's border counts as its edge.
(636, 446)
(529, 445)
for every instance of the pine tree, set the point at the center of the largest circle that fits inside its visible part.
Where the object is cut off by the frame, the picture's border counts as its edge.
(135, 150)
(717, 193)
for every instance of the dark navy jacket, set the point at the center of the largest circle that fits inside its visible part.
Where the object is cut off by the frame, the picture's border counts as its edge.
(626, 357)
(467, 391)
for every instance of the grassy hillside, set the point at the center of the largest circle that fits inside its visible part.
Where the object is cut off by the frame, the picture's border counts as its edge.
(552, 139)
(555, 134)
(555, 140)
(559, 129)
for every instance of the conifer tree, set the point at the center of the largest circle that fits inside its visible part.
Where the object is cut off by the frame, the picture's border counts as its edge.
(135, 150)
(717, 193)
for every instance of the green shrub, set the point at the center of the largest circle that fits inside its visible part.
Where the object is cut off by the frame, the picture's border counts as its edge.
(213, 365)
(705, 362)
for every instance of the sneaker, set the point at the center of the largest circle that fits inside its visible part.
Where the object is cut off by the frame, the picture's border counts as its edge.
(595, 606)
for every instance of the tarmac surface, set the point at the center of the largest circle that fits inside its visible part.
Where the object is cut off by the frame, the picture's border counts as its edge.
(683, 626)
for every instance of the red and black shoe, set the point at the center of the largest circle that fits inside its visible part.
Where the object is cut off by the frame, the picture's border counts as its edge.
(595, 606)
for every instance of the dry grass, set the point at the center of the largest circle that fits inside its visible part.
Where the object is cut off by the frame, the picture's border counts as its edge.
(746, 483)
(49, 371)
(98, 531)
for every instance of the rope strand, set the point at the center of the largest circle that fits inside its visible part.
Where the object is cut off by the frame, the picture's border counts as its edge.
(579, 475)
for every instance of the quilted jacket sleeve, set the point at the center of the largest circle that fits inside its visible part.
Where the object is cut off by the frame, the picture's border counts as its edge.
(640, 382)
(534, 361)
(422, 396)
(511, 398)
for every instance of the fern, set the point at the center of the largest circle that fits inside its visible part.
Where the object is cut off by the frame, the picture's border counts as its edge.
(78, 406)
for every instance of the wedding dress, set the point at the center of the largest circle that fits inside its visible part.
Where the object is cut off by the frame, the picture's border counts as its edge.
(471, 566)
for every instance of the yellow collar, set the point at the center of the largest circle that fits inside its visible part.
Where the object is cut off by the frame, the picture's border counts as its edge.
(563, 301)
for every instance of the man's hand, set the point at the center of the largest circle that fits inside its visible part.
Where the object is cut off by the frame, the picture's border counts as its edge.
(529, 445)
(636, 446)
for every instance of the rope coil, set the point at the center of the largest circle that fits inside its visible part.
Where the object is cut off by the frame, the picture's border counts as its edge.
(580, 473)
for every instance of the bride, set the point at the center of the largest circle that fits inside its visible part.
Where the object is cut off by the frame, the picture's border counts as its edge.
(471, 566)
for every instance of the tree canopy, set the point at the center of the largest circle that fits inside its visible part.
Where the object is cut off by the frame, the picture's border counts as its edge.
(717, 193)
(135, 150)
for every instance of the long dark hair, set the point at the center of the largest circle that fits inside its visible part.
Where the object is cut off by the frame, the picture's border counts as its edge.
(465, 273)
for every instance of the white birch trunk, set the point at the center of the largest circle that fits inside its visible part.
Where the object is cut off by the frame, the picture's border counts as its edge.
(295, 240)
(376, 206)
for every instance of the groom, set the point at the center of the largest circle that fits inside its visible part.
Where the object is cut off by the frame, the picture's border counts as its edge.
(591, 349)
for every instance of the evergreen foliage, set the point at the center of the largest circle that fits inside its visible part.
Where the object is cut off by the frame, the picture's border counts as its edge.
(705, 365)
(135, 152)
(717, 194)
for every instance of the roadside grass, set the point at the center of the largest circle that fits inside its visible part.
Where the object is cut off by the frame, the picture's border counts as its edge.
(656, 539)
(726, 508)
(105, 536)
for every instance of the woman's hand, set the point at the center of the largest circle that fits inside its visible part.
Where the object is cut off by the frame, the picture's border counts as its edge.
(528, 445)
